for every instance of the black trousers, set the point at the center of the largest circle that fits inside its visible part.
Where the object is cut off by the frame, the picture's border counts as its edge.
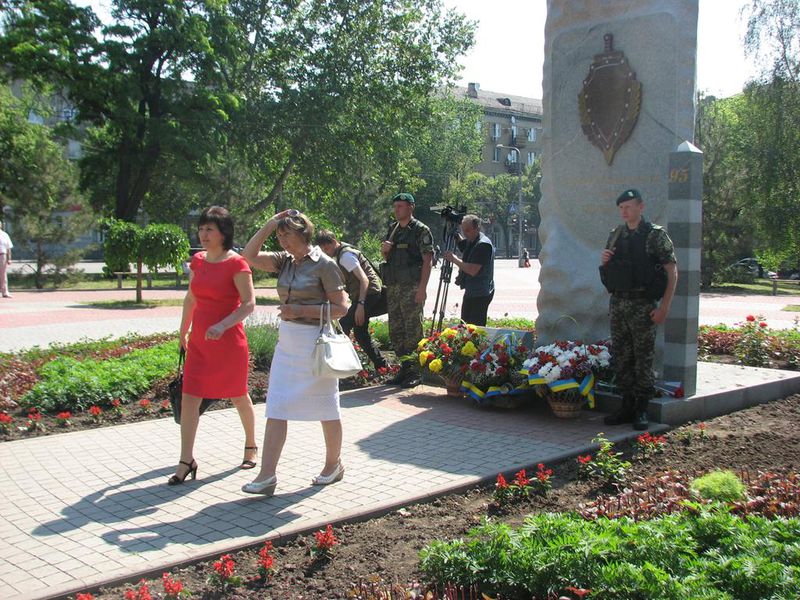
(374, 305)
(473, 310)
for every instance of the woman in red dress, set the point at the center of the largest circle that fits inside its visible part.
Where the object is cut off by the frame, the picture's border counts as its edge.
(220, 297)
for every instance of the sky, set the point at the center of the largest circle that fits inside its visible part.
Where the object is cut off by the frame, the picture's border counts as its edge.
(508, 28)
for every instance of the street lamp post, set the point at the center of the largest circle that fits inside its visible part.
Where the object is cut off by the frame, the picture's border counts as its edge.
(519, 197)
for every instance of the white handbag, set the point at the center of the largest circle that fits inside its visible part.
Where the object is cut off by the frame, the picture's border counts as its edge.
(333, 355)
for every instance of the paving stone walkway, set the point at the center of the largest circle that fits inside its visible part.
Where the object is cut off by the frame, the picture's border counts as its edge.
(84, 508)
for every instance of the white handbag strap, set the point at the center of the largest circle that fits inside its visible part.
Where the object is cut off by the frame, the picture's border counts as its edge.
(325, 317)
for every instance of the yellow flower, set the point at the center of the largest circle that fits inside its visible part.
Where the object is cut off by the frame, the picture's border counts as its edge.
(422, 342)
(469, 349)
(449, 332)
(436, 365)
(424, 356)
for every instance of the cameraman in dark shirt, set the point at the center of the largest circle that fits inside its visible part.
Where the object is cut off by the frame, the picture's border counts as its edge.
(476, 267)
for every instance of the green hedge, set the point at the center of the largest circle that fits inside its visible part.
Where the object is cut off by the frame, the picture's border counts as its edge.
(705, 554)
(70, 384)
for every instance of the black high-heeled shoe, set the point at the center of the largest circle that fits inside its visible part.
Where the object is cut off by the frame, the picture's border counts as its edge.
(175, 480)
(249, 464)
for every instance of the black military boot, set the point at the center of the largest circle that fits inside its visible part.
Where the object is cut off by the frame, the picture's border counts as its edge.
(399, 376)
(413, 378)
(641, 420)
(625, 414)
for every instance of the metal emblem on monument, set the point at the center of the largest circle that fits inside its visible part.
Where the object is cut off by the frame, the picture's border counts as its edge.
(609, 101)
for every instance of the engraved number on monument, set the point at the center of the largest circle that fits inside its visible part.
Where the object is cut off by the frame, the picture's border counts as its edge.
(679, 175)
(609, 101)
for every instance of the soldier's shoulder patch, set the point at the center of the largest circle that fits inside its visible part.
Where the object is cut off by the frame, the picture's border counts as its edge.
(427, 238)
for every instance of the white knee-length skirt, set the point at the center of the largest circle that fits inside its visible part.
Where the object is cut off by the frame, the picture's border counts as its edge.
(294, 394)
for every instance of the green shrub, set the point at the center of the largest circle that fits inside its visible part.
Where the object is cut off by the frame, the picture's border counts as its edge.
(379, 330)
(262, 337)
(704, 554)
(724, 486)
(70, 384)
(512, 323)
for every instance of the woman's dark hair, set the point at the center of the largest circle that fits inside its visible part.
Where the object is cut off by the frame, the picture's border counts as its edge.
(220, 217)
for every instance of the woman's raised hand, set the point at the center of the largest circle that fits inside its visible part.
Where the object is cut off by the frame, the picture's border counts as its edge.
(284, 213)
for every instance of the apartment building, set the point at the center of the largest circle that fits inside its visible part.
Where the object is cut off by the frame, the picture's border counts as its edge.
(511, 121)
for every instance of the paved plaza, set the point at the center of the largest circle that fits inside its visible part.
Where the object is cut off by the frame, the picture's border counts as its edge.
(84, 508)
(42, 317)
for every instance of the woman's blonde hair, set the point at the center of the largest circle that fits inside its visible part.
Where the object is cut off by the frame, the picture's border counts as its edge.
(300, 224)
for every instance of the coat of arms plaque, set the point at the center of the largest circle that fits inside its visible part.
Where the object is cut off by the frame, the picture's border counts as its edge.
(609, 101)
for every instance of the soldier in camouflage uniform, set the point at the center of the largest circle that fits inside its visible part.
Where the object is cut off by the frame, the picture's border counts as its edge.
(634, 250)
(407, 251)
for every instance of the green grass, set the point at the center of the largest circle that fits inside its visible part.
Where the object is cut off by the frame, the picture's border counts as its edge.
(132, 304)
(792, 308)
(85, 347)
(761, 287)
(96, 281)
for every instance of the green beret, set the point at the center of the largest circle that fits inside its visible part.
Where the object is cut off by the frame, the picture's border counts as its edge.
(630, 194)
(404, 196)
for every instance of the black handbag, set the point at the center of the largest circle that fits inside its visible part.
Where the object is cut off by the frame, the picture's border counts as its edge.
(175, 388)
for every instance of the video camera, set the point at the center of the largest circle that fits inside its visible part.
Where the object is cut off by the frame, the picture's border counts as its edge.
(451, 214)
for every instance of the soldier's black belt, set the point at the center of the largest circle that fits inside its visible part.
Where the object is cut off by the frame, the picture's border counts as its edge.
(632, 295)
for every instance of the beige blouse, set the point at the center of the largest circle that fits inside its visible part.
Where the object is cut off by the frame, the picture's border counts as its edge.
(308, 281)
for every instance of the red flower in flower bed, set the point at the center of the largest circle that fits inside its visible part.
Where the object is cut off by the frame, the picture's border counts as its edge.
(173, 588)
(5, 422)
(326, 540)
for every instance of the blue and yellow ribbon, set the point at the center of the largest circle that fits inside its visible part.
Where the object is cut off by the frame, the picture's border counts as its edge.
(585, 387)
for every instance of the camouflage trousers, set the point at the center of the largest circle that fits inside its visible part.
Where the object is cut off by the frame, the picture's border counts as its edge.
(405, 318)
(633, 340)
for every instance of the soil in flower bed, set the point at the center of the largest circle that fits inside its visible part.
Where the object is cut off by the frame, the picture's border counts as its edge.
(385, 549)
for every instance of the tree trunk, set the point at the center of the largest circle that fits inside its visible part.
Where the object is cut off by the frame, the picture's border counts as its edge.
(139, 281)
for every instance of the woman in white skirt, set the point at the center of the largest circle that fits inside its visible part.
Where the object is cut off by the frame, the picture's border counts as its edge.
(307, 279)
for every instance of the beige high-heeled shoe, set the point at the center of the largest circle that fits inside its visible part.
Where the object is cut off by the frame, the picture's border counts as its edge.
(336, 475)
(266, 487)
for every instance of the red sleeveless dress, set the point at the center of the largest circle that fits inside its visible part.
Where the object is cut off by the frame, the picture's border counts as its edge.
(216, 368)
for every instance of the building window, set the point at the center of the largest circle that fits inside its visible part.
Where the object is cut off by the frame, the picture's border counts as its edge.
(531, 135)
(74, 151)
(513, 132)
(531, 158)
(496, 157)
(35, 118)
(512, 157)
(495, 131)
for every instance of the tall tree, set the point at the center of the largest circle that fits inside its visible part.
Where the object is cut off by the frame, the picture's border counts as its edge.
(148, 82)
(720, 132)
(39, 187)
(773, 127)
(337, 88)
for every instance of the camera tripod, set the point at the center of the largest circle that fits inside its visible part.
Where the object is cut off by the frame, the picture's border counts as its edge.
(449, 239)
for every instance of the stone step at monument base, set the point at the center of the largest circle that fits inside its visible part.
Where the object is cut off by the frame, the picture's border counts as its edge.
(721, 389)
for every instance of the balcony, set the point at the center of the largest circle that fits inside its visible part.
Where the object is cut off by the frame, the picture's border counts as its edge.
(517, 141)
(512, 166)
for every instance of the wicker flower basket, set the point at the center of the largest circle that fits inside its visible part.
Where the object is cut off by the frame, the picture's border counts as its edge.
(453, 386)
(566, 404)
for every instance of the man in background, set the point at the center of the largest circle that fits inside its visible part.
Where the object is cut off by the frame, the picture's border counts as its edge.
(476, 265)
(364, 288)
(407, 252)
(5, 260)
